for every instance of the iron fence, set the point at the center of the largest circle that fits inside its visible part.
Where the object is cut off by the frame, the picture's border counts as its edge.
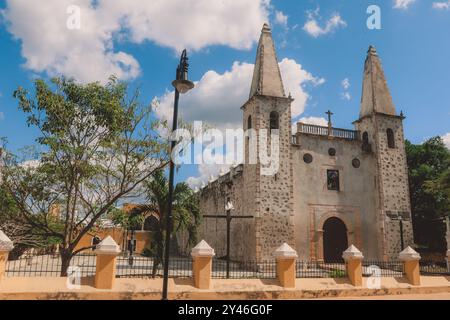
(375, 268)
(244, 270)
(49, 266)
(316, 269)
(142, 267)
(428, 267)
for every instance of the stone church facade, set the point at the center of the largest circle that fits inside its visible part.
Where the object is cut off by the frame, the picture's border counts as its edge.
(334, 187)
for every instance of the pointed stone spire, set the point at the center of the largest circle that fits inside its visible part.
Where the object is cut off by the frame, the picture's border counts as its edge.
(266, 75)
(376, 96)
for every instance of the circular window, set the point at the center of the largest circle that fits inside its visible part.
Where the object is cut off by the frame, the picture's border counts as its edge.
(356, 163)
(332, 152)
(308, 158)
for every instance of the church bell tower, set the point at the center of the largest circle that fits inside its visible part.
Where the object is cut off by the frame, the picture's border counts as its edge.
(382, 134)
(269, 195)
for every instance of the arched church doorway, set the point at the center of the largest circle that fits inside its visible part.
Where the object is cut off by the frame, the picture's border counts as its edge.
(335, 240)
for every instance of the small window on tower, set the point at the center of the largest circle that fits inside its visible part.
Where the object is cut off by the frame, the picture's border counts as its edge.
(249, 122)
(390, 138)
(333, 180)
(274, 121)
(365, 137)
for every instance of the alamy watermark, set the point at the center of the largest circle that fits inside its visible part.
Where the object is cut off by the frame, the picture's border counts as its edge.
(228, 147)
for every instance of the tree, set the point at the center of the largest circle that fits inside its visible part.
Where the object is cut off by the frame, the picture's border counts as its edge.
(186, 213)
(98, 145)
(429, 182)
(23, 235)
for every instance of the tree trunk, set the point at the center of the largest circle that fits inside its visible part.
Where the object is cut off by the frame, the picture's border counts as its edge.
(66, 257)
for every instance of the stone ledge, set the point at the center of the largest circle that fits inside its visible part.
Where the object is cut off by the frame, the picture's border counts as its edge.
(182, 289)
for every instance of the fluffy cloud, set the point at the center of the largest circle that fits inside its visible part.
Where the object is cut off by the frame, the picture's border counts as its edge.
(88, 53)
(318, 121)
(281, 18)
(442, 5)
(313, 28)
(403, 4)
(446, 139)
(217, 97)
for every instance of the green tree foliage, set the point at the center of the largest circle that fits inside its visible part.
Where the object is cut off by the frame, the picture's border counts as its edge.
(186, 213)
(429, 182)
(98, 145)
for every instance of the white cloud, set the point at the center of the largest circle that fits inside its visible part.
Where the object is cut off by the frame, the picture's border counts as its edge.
(88, 54)
(313, 28)
(403, 4)
(318, 121)
(217, 98)
(446, 139)
(281, 18)
(442, 5)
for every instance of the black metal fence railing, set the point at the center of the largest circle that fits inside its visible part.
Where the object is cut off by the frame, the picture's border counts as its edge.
(382, 268)
(181, 267)
(244, 270)
(434, 268)
(142, 267)
(316, 269)
(50, 266)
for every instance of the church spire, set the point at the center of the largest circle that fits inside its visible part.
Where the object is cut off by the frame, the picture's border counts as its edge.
(375, 95)
(266, 76)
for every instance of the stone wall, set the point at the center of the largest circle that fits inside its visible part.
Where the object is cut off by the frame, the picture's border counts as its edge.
(213, 230)
(393, 200)
(354, 204)
(275, 223)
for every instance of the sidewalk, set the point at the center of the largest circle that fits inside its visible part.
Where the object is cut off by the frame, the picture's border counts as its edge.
(239, 289)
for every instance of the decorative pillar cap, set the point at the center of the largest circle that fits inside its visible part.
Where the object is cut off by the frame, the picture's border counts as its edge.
(352, 253)
(409, 254)
(107, 247)
(285, 252)
(203, 249)
(5, 243)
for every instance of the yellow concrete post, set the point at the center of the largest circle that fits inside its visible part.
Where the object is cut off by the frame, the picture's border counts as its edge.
(202, 255)
(411, 265)
(353, 261)
(105, 273)
(6, 245)
(286, 258)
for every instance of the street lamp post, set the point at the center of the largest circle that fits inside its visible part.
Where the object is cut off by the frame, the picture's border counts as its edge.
(182, 85)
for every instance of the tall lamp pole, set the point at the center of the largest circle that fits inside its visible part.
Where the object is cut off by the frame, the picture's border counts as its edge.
(182, 85)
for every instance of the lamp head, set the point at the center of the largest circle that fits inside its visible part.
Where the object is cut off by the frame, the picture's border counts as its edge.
(182, 83)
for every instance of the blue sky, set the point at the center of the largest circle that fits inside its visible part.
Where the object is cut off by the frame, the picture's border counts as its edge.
(413, 43)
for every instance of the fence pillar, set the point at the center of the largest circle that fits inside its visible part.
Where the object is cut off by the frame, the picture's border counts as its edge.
(202, 255)
(411, 265)
(286, 257)
(105, 272)
(6, 245)
(353, 262)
